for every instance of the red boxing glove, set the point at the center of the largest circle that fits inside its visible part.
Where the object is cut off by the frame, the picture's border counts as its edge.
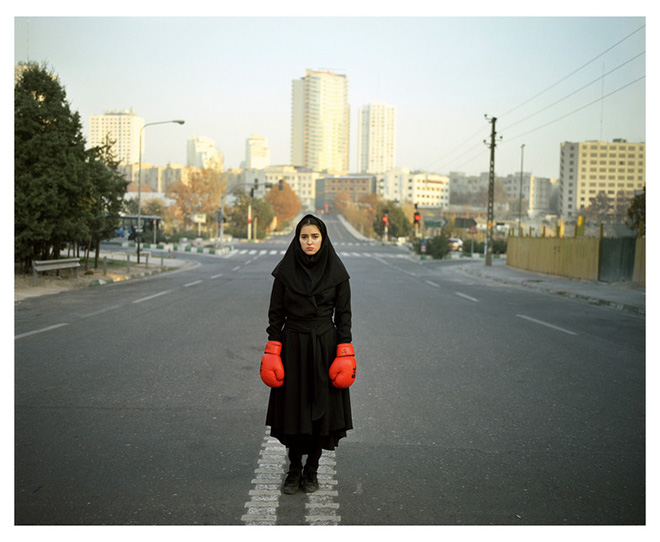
(271, 369)
(342, 371)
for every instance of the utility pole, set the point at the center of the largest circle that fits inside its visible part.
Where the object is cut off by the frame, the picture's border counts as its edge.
(491, 196)
(522, 154)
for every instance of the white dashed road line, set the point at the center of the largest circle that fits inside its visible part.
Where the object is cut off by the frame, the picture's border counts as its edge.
(469, 298)
(546, 324)
(151, 296)
(38, 331)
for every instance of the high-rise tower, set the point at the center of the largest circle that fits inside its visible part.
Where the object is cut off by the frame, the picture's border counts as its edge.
(320, 122)
(376, 138)
(122, 128)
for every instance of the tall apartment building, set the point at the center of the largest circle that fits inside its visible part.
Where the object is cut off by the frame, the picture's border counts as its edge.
(122, 129)
(320, 122)
(201, 153)
(376, 138)
(590, 167)
(257, 152)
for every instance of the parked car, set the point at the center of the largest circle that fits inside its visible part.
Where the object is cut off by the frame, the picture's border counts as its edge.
(455, 244)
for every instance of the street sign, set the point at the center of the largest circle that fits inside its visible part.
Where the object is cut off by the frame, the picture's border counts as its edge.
(435, 222)
(472, 230)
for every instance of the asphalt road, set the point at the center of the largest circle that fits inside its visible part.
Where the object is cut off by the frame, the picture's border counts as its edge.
(139, 403)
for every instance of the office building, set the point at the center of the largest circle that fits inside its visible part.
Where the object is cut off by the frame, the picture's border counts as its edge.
(320, 122)
(257, 152)
(376, 138)
(201, 153)
(121, 128)
(616, 168)
(354, 186)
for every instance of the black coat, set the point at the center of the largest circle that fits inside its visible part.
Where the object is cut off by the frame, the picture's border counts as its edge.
(309, 328)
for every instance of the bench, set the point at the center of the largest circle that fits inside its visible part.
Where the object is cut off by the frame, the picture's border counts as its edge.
(52, 265)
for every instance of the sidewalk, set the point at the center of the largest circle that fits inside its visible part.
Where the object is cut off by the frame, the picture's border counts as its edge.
(49, 284)
(625, 296)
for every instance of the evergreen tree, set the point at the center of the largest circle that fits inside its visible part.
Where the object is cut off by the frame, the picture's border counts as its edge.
(106, 199)
(50, 181)
(637, 212)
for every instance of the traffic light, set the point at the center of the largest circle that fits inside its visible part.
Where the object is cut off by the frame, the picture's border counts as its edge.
(386, 219)
(281, 184)
(417, 218)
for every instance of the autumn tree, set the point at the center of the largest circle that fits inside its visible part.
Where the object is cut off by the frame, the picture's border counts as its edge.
(284, 202)
(261, 214)
(362, 214)
(200, 194)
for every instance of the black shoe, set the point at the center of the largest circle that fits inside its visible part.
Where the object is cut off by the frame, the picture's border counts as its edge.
(310, 482)
(292, 482)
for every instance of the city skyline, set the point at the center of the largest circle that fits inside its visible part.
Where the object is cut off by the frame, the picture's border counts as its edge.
(546, 79)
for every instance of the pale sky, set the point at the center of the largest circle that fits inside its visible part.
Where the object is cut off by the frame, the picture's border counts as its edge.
(230, 77)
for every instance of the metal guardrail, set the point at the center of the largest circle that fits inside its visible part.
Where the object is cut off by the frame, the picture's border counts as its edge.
(39, 266)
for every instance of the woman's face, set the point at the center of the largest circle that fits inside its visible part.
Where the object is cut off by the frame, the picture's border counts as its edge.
(310, 239)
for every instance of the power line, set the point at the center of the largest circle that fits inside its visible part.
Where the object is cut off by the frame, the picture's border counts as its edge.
(576, 70)
(579, 108)
(576, 91)
(467, 140)
(446, 156)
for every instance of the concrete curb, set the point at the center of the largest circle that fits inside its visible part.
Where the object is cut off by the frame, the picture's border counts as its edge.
(591, 299)
(174, 248)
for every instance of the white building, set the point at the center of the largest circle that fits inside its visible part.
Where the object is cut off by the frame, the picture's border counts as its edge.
(302, 181)
(421, 188)
(257, 152)
(122, 129)
(376, 138)
(543, 196)
(427, 189)
(590, 167)
(201, 153)
(320, 122)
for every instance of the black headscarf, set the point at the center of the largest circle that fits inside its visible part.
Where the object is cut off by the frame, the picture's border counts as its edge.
(308, 275)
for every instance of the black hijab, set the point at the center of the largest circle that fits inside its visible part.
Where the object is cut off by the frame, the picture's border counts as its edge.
(308, 275)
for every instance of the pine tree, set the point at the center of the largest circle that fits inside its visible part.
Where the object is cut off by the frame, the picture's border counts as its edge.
(51, 185)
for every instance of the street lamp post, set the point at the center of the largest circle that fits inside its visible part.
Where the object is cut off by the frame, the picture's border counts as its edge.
(139, 217)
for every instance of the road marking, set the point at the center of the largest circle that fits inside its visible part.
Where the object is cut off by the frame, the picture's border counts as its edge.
(432, 283)
(151, 296)
(39, 331)
(237, 268)
(101, 311)
(321, 506)
(268, 477)
(546, 324)
(216, 276)
(469, 298)
(192, 283)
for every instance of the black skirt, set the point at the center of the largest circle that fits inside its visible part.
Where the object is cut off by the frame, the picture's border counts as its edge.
(308, 407)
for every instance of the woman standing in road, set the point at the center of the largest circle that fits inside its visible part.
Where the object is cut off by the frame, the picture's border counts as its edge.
(309, 360)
